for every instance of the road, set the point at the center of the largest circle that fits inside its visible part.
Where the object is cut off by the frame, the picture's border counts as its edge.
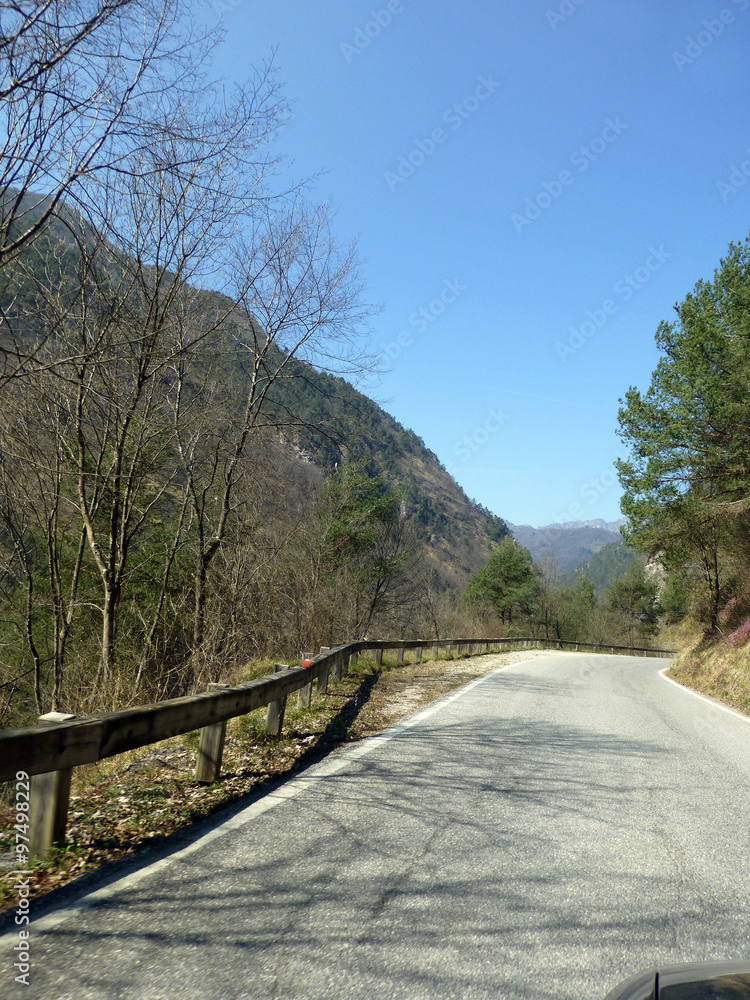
(540, 833)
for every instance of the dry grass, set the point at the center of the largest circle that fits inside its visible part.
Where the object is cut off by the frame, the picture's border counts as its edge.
(712, 666)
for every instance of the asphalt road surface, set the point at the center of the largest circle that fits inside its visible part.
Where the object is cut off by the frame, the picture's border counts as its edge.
(541, 833)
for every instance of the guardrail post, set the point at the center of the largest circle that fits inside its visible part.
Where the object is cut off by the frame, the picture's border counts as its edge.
(323, 677)
(353, 660)
(49, 798)
(400, 655)
(276, 709)
(448, 649)
(304, 696)
(419, 654)
(211, 747)
(435, 652)
(337, 668)
(378, 657)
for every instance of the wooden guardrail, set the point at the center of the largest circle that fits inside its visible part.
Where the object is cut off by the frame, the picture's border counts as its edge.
(49, 751)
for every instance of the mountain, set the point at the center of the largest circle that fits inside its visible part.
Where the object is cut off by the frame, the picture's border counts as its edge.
(322, 420)
(455, 534)
(606, 566)
(613, 526)
(567, 545)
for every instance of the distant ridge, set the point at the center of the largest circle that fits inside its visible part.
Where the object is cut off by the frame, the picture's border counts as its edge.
(567, 545)
(596, 523)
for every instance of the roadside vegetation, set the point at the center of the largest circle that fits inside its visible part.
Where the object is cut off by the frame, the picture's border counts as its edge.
(717, 666)
(686, 479)
(511, 595)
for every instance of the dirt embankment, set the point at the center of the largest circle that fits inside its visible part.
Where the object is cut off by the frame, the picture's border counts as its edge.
(717, 669)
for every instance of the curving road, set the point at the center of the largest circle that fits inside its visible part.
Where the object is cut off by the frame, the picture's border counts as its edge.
(541, 833)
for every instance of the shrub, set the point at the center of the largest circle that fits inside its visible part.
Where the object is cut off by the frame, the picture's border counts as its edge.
(740, 636)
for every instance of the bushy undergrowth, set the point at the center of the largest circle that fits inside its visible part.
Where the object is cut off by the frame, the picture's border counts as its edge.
(740, 636)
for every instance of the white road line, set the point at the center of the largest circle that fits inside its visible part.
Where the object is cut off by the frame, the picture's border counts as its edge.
(703, 697)
(287, 791)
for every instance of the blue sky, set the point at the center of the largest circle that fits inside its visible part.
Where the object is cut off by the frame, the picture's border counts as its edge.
(534, 185)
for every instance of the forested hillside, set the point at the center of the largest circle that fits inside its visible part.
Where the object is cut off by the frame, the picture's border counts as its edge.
(607, 565)
(336, 424)
(567, 546)
(178, 492)
(188, 479)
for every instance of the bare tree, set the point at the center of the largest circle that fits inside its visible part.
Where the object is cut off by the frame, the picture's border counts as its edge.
(299, 298)
(152, 387)
(46, 554)
(72, 74)
(96, 92)
(122, 306)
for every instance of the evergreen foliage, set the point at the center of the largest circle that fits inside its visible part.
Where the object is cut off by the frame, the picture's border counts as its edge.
(511, 595)
(686, 479)
(507, 584)
(606, 566)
